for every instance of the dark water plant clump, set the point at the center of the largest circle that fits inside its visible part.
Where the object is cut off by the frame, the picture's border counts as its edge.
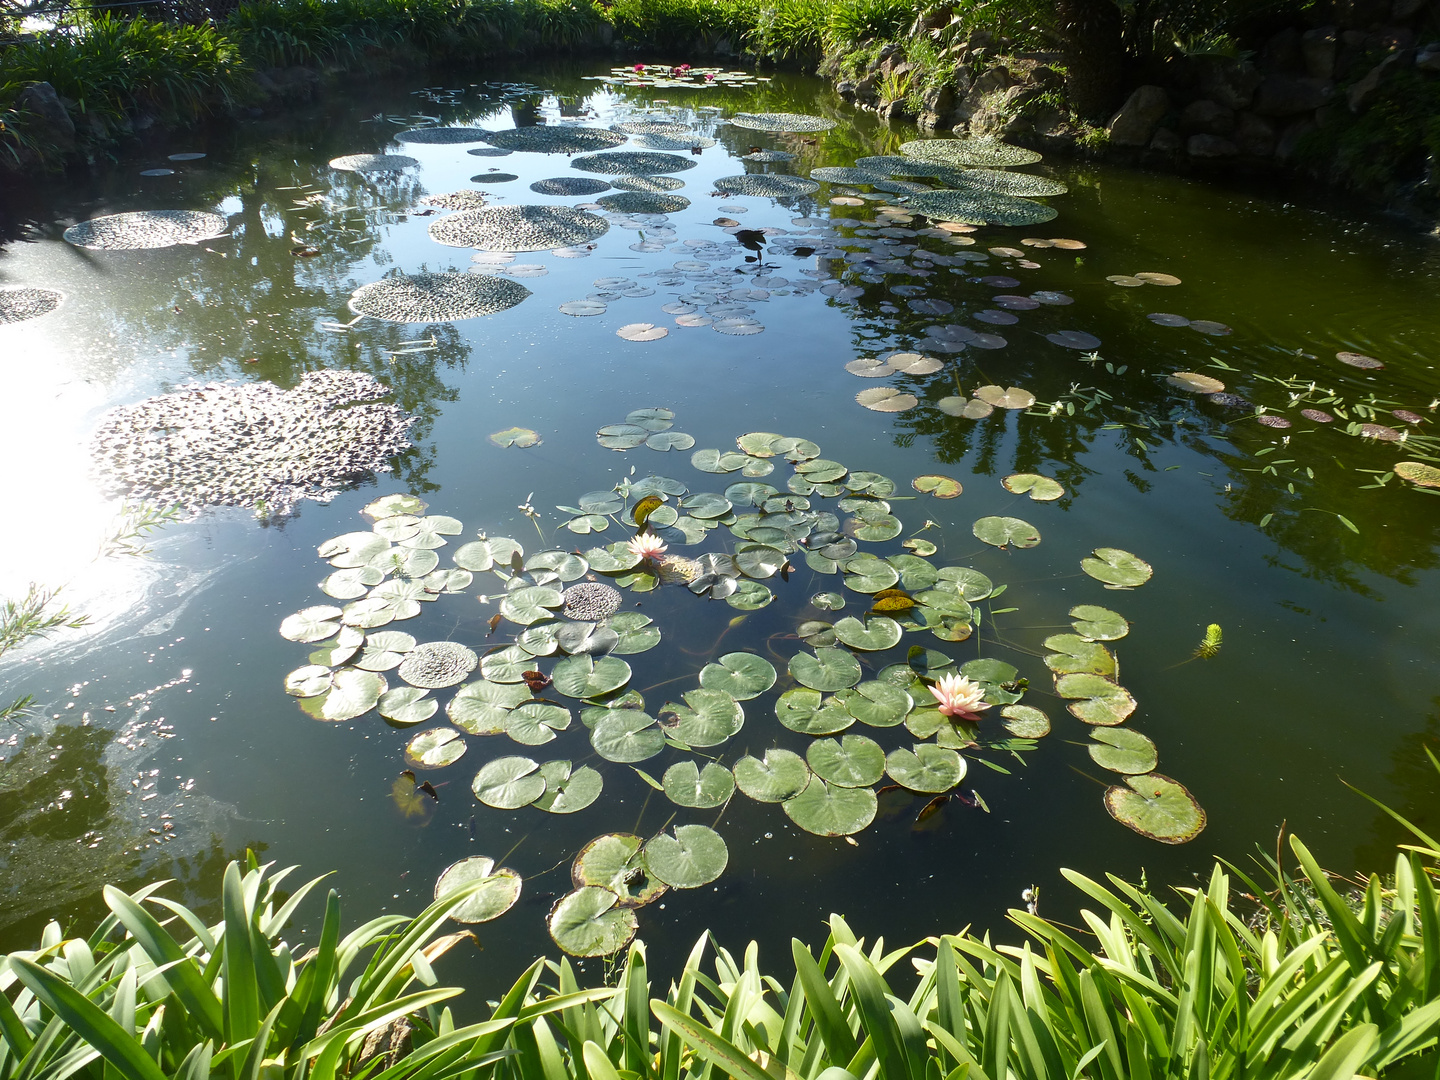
(519, 228)
(569, 185)
(556, 139)
(423, 298)
(643, 202)
(252, 445)
(146, 229)
(465, 199)
(21, 302)
(443, 136)
(773, 185)
(632, 162)
(781, 122)
(373, 163)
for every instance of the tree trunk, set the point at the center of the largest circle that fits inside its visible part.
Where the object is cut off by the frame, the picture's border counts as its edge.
(1094, 51)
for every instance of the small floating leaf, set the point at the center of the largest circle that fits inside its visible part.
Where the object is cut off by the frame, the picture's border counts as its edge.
(886, 399)
(1117, 569)
(1003, 531)
(352, 693)
(876, 633)
(515, 436)
(1005, 397)
(850, 761)
(695, 855)
(614, 862)
(407, 705)
(699, 789)
(496, 896)
(1094, 623)
(1158, 807)
(742, 675)
(1070, 653)
(626, 736)
(876, 704)
(1122, 750)
(826, 669)
(804, 710)
(588, 922)
(1096, 699)
(942, 487)
(311, 625)
(434, 749)
(312, 680)
(508, 783)
(584, 676)
(567, 792)
(779, 776)
(1025, 721)
(826, 810)
(1195, 383)
(929, 769)
(1039, 488)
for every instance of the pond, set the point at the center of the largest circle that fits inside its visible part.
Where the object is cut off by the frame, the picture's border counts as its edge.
(1131, 470)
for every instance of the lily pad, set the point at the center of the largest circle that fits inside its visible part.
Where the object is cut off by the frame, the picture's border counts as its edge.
(741, 675)
(614, 862)
(805, 710)
(589, 922)
(1039, 488)
(312, 624)
(749, 595)
(850, 761)
(584, 676)
(435, 748)
(534, 723)
(496, 896)
(352, 693)
(780, 775)
(707, 718)
(1072, 654)
(567, 791)
(1025, 721)
(927, 768)
(508, 783)
(875, 633)
(635, 632)
(886, 399)
(695, 855)
(1095, 700)
(827, 669)
(482, 708)
(309, 681)
(1095, 623)
(942, 487)
(1418, 473)
(827, 810)
(1117, 569)
(626, 736)
(866, 573)
(876, 704)
(1158, 807)
(1003, 531)
(351, 584)
(407, 705)
(1005, 397)
(515, 436)
(699, 789)
(1195, 383)
(1122, 750)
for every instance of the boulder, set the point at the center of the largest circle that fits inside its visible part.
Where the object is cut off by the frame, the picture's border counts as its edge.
(868, 87)
(1368, 83)
(1282, 53)
(1137, 119)
(1210, 147)
(1287, 95)
(1319, 47)
(1254, 136)
(1291, 137)
(1428, 58)
(1206, 117)
(1361, 13)
(1401, 10)
(845, 88)
(937, 108)
(1166, 141)
(1229, 81)
(50, 121)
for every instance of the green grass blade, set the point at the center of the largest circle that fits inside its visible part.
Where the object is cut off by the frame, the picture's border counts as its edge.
(183, 975)
(708, 1045)
(242, 991)
(829, 1019)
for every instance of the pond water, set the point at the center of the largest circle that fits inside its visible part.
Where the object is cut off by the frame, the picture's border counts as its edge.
(164, 742)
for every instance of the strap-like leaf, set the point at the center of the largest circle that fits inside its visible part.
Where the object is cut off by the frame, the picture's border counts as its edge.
(183, 975)
(711, 1047)
(829, 1020)
(1343, 1060)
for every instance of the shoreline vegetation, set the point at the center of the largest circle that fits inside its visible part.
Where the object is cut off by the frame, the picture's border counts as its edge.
(1344, 92)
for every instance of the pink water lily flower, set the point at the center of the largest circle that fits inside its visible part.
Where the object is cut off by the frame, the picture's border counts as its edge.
(646, 545)
(640, 68)
(959, 697)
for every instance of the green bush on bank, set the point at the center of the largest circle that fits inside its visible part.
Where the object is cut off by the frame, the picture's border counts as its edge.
(1309, 986)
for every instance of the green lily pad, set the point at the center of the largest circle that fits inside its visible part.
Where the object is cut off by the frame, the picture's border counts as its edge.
(311, 625)
(1122, 750)
(920, 546)
(804, 710)
(626, 736)
(942, 487)
(390, 505)
(1095, 623)
(670, 440)
(1070, 653)
(567, 792)
(1156, 806)
(945, 603)
(585, 676)
(700, 789)
(535, 723)
(876, 633)
(1117, 569)
(352, 549)
(915, 572)
(543, 638)
(972, 585)
(741, 675)
(821, 470)
(1418, 473)
(1002, 397)
(827, 669)
(779, 776)
(695, 855)
(1039, 488)
(496, 896)
(614, 862)
(508, 783)
(928, 768)
(476, 556)
(866, 573)
(636, 633)
(589, 922)
(352, 693)
(351, 584)
(448, 581)
(339, 649)
(877, 528)
(707, 718)
(407, 705)
(1096, 700)
(434, 749)
(828, 601)
(615, 559)
(384, 650)
(312, 680)
(406, 562)
(483, 707)
(1003, 531)
(507, 665)
(530, 604)
(1025, 721)
(749, 595)
(827, 810)
(850, 761)
(565, 565)
(877, 704)
(515, 436)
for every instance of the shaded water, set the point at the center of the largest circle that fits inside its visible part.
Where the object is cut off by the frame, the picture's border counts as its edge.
(1327, 669)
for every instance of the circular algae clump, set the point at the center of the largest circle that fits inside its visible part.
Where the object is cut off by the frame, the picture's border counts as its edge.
(456, 200)
(776, 186)
(519, 228)
(438, 664)
(419, 298)
(544, 139)
(21, 302)
(632, 163)
(590, 601)
(373, 163)
(443, 136)
(781, 121)
(146, 229)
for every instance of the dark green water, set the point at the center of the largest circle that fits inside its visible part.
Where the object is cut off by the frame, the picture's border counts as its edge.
(1327, 671)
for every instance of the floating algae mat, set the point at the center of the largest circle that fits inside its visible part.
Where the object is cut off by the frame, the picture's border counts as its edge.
(738, 482)
(143, 229)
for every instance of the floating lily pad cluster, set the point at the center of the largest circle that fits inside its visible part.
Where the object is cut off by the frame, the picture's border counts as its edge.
(146, 229)
(374, 163)
(857, 688)
(683, 77)
(251, 444)
(422, 298)
(519, 228)
(555, 139)
(443, 136)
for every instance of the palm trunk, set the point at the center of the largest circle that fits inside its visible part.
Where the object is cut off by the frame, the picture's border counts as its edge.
(1094, 51)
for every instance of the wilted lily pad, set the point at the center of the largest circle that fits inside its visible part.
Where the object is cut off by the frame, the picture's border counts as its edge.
(434, 749)
(1003, 531)
(1122, 750)
(1039, 488)
(588, 922)
(1158, 807)
(1195, 382)
(827, 810)
(497, 895)
(695, 855)
(515, 436)
(1117, 569)
(614, 862)
(942, 487)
